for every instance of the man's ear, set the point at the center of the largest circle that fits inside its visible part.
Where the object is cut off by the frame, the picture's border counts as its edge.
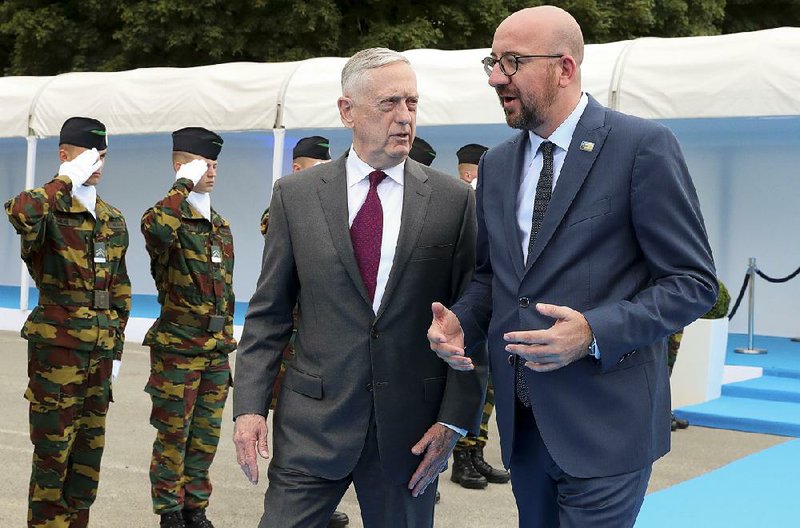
(345, 105)
(62, 155)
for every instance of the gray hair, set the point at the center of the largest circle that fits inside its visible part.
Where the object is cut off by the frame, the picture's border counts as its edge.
(363, 61)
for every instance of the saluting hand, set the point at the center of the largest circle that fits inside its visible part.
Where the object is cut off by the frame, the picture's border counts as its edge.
(544, 350)
(193, 170)
(82, 167)
(250, 435)
(447, 338)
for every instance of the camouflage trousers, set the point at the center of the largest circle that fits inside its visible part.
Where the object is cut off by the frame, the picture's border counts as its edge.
(188, 394)
(471, 440)
(673, 344)
(69, 392)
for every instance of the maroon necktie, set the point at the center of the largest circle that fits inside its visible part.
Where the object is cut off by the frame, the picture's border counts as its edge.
(366, 234)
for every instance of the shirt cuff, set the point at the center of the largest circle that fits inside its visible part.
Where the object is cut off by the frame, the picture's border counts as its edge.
(594, 350)
(462, 432)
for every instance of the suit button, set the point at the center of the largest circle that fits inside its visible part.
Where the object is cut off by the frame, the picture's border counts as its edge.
(369, 387)
(373, 333)
(511, 359)
(524, 302)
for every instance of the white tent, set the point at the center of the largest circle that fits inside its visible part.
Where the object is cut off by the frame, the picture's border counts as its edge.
(745, 74)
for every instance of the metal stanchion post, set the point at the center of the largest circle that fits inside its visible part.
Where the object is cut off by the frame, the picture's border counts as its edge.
(751, 302)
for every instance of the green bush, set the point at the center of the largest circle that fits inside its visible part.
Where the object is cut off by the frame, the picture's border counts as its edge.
(720, 308)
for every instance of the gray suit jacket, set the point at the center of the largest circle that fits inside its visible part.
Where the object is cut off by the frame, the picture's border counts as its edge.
(348, 359)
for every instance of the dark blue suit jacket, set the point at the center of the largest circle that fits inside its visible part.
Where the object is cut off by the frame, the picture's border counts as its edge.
(623, 242)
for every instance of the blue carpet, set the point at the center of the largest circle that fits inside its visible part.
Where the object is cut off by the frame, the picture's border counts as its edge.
(782, 352)
(757, 491)
(769, 404)
(142, 305)
(745, 414)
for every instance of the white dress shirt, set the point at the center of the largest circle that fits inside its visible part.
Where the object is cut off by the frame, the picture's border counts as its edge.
(561, 137)
(390, 191)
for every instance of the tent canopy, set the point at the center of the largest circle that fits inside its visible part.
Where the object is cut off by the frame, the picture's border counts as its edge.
(739, 75)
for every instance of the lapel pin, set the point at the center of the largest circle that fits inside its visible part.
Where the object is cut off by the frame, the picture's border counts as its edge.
(587, 146)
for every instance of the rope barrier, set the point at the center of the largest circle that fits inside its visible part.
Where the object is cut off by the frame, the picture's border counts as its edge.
(783, 279)
(740, 297)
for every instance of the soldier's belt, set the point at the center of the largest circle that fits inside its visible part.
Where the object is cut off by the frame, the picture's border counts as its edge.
(95, 299)
(212, 323)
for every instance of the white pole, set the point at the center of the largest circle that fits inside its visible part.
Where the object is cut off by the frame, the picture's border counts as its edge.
(277, 153)
(30, 171)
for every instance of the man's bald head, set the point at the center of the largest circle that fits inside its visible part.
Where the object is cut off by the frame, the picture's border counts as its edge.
(549, 26)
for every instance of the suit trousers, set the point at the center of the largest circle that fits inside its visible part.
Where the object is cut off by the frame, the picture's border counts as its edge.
(547, 497)
(298, 500)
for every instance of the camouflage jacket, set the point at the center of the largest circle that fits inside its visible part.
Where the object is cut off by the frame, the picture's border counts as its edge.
(191, 260)
(264, 222)
(70, 256)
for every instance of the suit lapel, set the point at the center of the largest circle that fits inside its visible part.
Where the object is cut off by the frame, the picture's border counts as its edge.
(416, 197)
(510, 203)
(578, 163)
(332, 192)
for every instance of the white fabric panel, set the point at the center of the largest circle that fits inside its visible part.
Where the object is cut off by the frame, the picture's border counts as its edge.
(16, 97)
(310, 94)
(738, 75)
(222, 97)
(745, 74)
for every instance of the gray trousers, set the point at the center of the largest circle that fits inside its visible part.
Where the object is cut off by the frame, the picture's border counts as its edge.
(297, 500)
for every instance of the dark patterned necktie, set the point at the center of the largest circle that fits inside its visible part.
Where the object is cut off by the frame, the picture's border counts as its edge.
(366, 234)
(544, 190)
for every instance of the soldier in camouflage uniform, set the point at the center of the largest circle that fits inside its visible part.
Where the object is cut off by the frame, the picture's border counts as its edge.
(191, 260)
(308, 152)
(469, 467)
(74, 245)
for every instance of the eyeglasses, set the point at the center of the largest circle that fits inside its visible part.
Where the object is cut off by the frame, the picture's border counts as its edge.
(509, 63)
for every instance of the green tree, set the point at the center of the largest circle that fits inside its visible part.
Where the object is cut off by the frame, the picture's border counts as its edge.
(751, 15)
(47, 37)
(41, 37)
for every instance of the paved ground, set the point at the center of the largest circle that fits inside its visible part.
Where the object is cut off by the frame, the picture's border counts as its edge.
(124, 496)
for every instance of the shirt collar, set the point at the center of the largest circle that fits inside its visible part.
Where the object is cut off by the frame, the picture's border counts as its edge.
(562, 136)
(357, 170)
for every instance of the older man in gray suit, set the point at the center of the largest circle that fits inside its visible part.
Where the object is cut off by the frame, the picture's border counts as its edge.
(363, 245)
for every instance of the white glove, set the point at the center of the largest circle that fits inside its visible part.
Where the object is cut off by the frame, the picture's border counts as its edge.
(193, 170)
(115, 369)
(82, 167)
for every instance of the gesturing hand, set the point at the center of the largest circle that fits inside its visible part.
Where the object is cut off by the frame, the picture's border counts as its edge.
(544, 350)
(437, 443)
(82, 167)
(249, 436)
(193, 170)
(447, 338)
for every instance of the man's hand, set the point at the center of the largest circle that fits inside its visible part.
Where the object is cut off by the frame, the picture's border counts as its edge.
(82, 167)
(193, 170)
(447, 338)
(437, 443)
(544, 350)
(249, 436)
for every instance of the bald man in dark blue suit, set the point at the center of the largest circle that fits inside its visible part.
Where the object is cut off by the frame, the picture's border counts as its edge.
(591, 251)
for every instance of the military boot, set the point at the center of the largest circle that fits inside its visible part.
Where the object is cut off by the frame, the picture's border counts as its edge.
(196, 519)
(495, 476)
(172, 520)
(464, 472)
